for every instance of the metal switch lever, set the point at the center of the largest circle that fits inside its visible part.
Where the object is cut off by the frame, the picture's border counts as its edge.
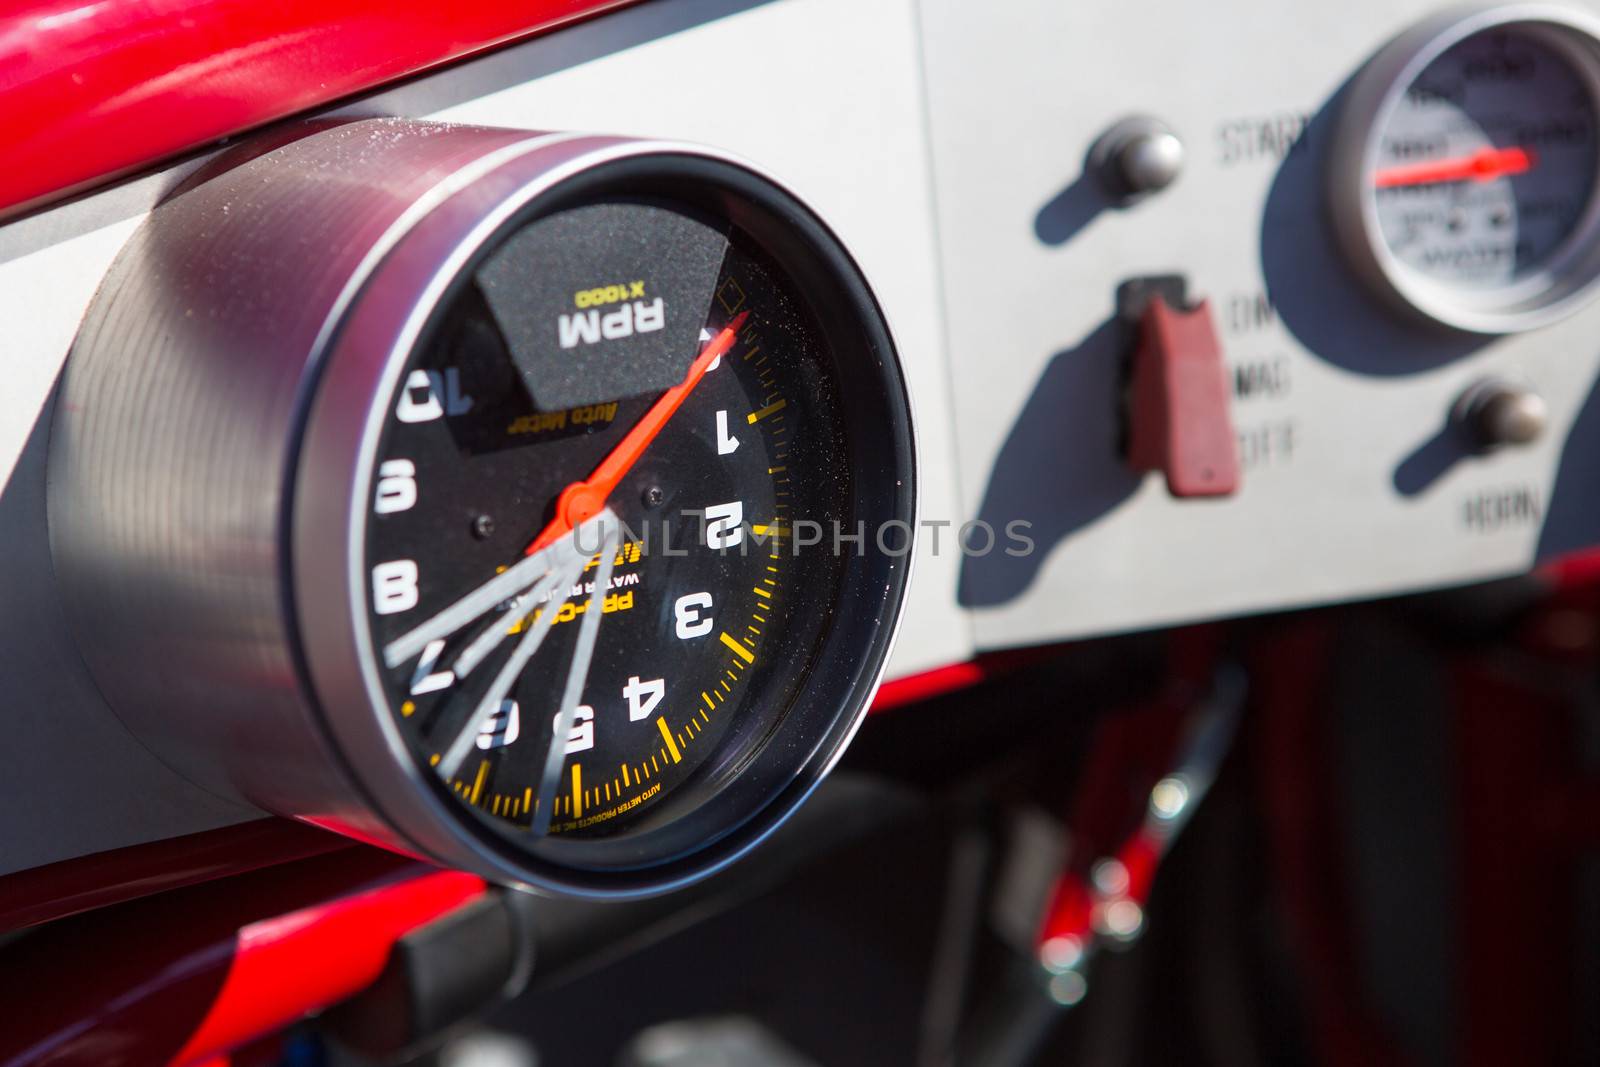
(1178, 413)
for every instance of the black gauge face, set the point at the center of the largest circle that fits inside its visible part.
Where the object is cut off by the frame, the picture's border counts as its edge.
(597, 669)
(1487, 163)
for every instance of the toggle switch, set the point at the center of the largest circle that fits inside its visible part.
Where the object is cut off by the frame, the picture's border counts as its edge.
(1135, 158)
(1495, 413)
(1179, 420)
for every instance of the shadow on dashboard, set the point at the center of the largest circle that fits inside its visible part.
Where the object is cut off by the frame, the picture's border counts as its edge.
(1054, 473)
(1065, 215)
(1317, 296)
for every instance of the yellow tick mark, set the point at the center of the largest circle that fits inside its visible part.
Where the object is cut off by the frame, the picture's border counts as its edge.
(477, 786)
(577, 790)
(434, 762)
(407, 708)
(672, 746)
(763, 593)
(756, 416)
(527, 799)
(775, 470)
(744, 653)
(707, 698)
(625, 775)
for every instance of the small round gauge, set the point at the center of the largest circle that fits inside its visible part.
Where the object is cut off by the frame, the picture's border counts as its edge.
(1465, 168)
(491, 507)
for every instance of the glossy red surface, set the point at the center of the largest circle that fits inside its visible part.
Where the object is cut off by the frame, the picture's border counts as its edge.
(286, 966)
(91, 89)
(183, 977)
(73, 886)
(1575, 570)
(914, 687)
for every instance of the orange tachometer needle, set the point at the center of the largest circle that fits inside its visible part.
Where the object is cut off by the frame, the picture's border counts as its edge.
(584, 500)
(1484, 166)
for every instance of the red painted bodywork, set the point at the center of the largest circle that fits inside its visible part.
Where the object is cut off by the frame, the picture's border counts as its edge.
(70, 887)
(93, 89)
(918, 687)
(187, 976)
(286, 966)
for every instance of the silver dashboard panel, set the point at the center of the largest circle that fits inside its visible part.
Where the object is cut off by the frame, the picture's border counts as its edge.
(945, 143)
(1351, 486)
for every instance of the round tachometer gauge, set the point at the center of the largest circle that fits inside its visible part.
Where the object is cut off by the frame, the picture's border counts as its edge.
(555, 454)
(1466, 163)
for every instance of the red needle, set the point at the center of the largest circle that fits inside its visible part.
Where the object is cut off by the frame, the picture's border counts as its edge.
(1483, 166)
(582, 501)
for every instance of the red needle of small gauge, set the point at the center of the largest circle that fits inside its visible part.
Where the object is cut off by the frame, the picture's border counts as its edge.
(584, 500)
(1484, 166)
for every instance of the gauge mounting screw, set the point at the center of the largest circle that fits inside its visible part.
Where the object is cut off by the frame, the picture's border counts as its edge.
(654, 496)
(483, 527)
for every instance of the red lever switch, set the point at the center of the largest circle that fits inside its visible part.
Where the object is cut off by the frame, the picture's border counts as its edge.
(1178, 417)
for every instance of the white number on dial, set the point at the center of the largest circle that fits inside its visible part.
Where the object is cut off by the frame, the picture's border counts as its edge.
(691, 623)
(429, 394)
(727, 444)
(642, 697)
(425, 679)
(394, 586)
(501, 728)
(725, 525)
(582, 736)
(397, 486)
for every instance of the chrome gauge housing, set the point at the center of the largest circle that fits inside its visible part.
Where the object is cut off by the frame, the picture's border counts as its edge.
(314, 434)
(1465, 165)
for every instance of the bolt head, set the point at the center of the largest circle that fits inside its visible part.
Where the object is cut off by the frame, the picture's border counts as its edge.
(1169, 797)
(1061, 953)
(1110, 877)
(1067, 989)
(1122, 920)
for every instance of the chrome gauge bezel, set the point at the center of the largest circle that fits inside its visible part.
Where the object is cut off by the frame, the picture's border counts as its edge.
(1567, 279)
(211, 461)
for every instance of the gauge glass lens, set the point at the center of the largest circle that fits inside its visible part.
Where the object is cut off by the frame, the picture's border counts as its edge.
(540, 374)
(1487, 162)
